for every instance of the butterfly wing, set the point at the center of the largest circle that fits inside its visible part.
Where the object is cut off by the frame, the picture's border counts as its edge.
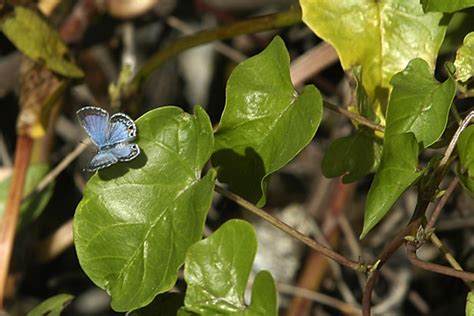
(107, 157)
(121, 129)
(125, 151)
(103, 159)
(95, 121)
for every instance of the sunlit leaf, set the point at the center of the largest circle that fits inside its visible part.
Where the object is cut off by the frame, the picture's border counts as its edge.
(52, 306)
(396, 173)
(465, 59)
(265, 122)
(353, 156)
(381, 36)
(138, 218)
(419, 104)
(35, 203)
(34, 37)
(217, 271)
(446, 5)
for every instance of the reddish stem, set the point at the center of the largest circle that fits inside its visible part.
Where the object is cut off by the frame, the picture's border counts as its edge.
(10, 217)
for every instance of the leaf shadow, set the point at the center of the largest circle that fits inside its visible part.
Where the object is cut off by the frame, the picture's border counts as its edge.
(243, 173)
(122, 168)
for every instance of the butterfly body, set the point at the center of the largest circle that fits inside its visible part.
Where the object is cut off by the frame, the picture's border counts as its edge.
(112, 136)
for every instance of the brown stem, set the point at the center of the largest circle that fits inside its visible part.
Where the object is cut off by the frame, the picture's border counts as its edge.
(353, 116)
(291, 231)
(441, 203)
(411, 251)
(10, 217)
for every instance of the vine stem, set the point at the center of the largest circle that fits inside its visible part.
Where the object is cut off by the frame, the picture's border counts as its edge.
(441, 203)
(268, 22)
(10, 217)
(454, 140)
(354, 265)
(433, 267)
(353, 116)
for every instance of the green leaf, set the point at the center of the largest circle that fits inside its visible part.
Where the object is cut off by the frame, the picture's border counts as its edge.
(353, 156)
(163, 305)
(397, 172)
(34, 37)
(447, 6)
(217, 270)
(419, 104)
(470, 304)
(465, 59)
(381, 36)
(137, 219)
(34, 205)
(52, 306)
(465, 146)
(265, 123)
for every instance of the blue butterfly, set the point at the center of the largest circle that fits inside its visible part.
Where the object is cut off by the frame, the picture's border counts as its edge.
(110, 135)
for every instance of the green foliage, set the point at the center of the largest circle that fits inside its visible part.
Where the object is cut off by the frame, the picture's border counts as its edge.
(52, 306)
(470, 304)
(32, 207)
(381, 36)
(353, 156)
(466, 150)
(34, 37)
(465, 59)
(419, 104)
(397, 172)
(446, 5)
(265, 123)
(137, 219)
(217, 271)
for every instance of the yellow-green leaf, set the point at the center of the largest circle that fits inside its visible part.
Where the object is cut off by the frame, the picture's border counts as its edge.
(381, 36)
(465, 59)
(34, 37)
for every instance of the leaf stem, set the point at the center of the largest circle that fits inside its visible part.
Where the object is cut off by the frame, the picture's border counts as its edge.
(268, 22)
(354, 265)
(441, 204)
(10, 217)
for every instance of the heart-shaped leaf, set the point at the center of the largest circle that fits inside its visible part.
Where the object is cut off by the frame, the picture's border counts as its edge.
(52, 306)
(465, 59)
(353, 156)
(397, 172)
(446, 5)
(265, 123)
(133, 226)
(34, 37)
(381, 36)
(217, 271)
(419, 104)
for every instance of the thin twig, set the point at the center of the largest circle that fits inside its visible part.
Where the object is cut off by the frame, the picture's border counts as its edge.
(62, 165)
(411, 251)
(442, 201)
(353, 116)
(291, 231)
(449, 257)
(273, 21)
(320, 298)
(10, 217)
